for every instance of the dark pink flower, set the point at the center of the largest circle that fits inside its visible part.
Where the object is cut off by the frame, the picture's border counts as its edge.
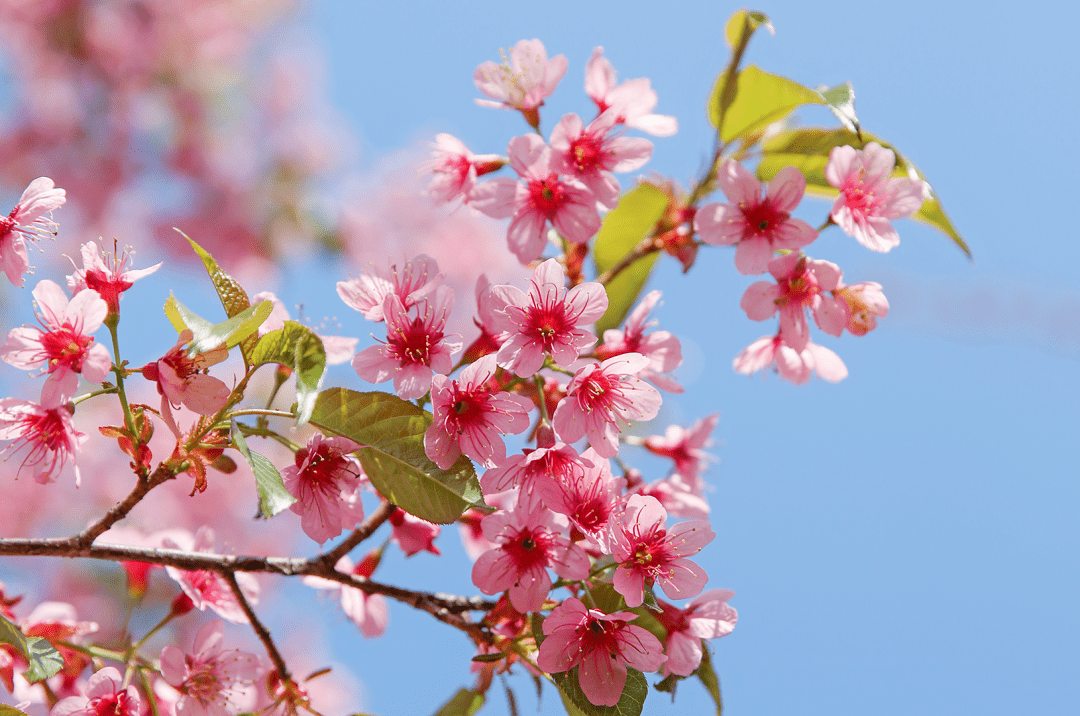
(367, 293)
(522, 80)
(707, 617)
(208, 589)
(412, 534)
(27, 222)
(454, 168)
(632, 101)
(592, 153)
(865, 303)
(796, 366)
(324, 481)
(45, 432)
(105, 696)
(604, 645)
(180, 378)
(685, 447)
(647, 552)
(759, 226)
(109, 276)
(368, 611)
(213, 681)
(541, 473)
(661, 348)
(588, 499)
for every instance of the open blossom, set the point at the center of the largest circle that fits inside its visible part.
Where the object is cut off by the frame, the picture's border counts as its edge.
(63, 347)
(412, 534)
(870, 197)
(546, 321)
(208, 589)
(539, 472)
(541, 196)
(603, 399)
(470, 417)
(865, 303)
(589, 498)
(109, 275)
(793, 365)
(105, 695)
(367, 611)
(648, 552)
(661, 348)
(339, 349)
(212, 680)
(685, 447)
(633, 101)
(592, 153)
(707, 617)
(604, 645)
(180, 379)
(324, 480)
(367, 293)
(759, 226)
(454, 168)
(45, 432)
(27, 222)
(522, 80)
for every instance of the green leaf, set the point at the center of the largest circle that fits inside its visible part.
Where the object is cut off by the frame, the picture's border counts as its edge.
(761, 98)
(273, 497)
(738, 31)
(208, 336)
(43, 660)
(6, 710)
(745, 21)
(630, 703)
(298, 348)
(391, 433)
(623, 229)
(465, 702)
(841, 100)
(708, 677)
(649, 599)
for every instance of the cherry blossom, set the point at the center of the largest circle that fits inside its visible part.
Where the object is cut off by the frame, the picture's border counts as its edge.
(661, 348)
(324, 480)
(339, 349)
(604, 645)
(45, 432)
(180, 379)
(522, 80)
(648, 552)
(865, 303)
(759, 226)
(454, 169)
(592, 153)
(105, 695)
(685, 447)
(367, 293)
(412, 534)
(870, 197)
(796, 366)
(633, 101)
(63, 346)
(109, 275)
(541, 472)
(208, 589)
(368, 611)
(709, 616)
(547, 320)
(212, 680)
(679, 498)
(588, 499)
(27, 223)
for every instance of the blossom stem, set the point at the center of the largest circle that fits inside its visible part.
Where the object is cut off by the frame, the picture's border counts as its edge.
(112, 321)
(541, 403)
(647, 246)
(828, 222)
(256, 411)
(138, 645)
(93, 394)
(149, 693)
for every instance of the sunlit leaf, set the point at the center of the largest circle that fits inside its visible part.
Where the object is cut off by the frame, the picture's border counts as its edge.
(273, 497)
(207, 335)
(234, 298)
(298, 348)
(745, 21)
(708, 677)
(760, 99)
(6, 710)
(465, 702)
(42, 659)
(841, 100)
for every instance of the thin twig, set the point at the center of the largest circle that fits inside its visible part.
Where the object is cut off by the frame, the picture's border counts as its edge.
(260, 630)
(373, 522)
(120, 511)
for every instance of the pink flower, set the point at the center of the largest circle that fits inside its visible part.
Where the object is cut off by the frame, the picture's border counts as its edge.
(676, 496)
(633, 101)
(368, 611)
(541, 196)
(105, 696)
(540, 472)
(27, 222)
(547, 320)
(415, 345)
(368, 292)
(792, 365)
(589, 499)
(521, 81)
(109, 276)
(870, 196)
(47, 434)
(592, 153)
(180, 379)
(213, 681)
(605, 645)
(339, 349)
(707, 617)
(647, 552)
(528, 542)
(455, 168)
(412, 534)
(206, 588)
(684, 446)
(63, 344)
(759, 226)
(661, 348)
(602, 399)
(470, 417)
(324, 480)
(865, 302)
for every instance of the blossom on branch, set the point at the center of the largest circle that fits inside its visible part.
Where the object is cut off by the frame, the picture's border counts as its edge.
(205, 588)
(45, 432)
(324, 480)
(632, 101)
(707, 617)
(27, 223)
(454, 169)
(109, 276)
(522, 80)
(367, 293)
(793, 365)
(180, 378)
(367, 611)
(661, 347)
(212, 680)
(592, 153)
(104, 695)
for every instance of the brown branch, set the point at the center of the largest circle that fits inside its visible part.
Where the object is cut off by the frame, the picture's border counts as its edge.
(260, 630)
(120, 510)
(373, 522)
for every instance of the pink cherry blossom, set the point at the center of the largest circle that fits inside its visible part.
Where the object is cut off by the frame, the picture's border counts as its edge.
(454, 169)
(676, 496)
(522, 80)
(602, 399)
(541, 196)
(367, 293)
(796, 366)
(865, 303)
(604, 645)
(470, 417)
(589, 498)
(528, 542)
(759, 226)
(105, 695)
(339, 349)
(633, 101)
(412, 534)
(208, 589)
(592, 153)
(648, 552)
(27, 223)
(368, 611)
(539, 472)
(63, 346)
(109, 276)
(870, 197)
(213, 681)
(547, 320)
(180, 379)
(707, 617)
(324, 480)
(45, 432)
(685, 447)
(661, 348)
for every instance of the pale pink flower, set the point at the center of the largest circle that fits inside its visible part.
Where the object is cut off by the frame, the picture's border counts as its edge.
(528, 542)
(676, 496)
(522, 80)
(47, 434)
(801, 283)
(454, 169)
(208, 589)
(603, 399)
(707, 617)
(592, 153)
(759, 226)
(367, 293)
(339, 349)
(648, 552)
(470, 417)
(633, 101)
(63, 346)
(105, 695)
(368, 611)
(323, 480)
(412, 534)
(870, 197)
(415, 345)
(180, 378)
(685, 447)
(27, 222)
(541, 196)
(865, 303)
(546, 321)
(109, 276)
(661, 348)
(213, 681)
(604, 645)
(796, 366)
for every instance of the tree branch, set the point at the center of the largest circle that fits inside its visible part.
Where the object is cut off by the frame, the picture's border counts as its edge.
(373, 522)
(260, 630)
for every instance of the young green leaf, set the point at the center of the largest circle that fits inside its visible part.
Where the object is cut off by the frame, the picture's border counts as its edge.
(207, 336)
(6, 710)
(273, 497)
(465, 702)
(708, 677)
(761, 98)
(391, 431)
(841, 100)
(298, 348)
(745, 21)
(42, 659)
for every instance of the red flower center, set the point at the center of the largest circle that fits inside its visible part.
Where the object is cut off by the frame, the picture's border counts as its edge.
(65, 347)
(763, 218)
(586, 152)
(413, 344)
(547, 195)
